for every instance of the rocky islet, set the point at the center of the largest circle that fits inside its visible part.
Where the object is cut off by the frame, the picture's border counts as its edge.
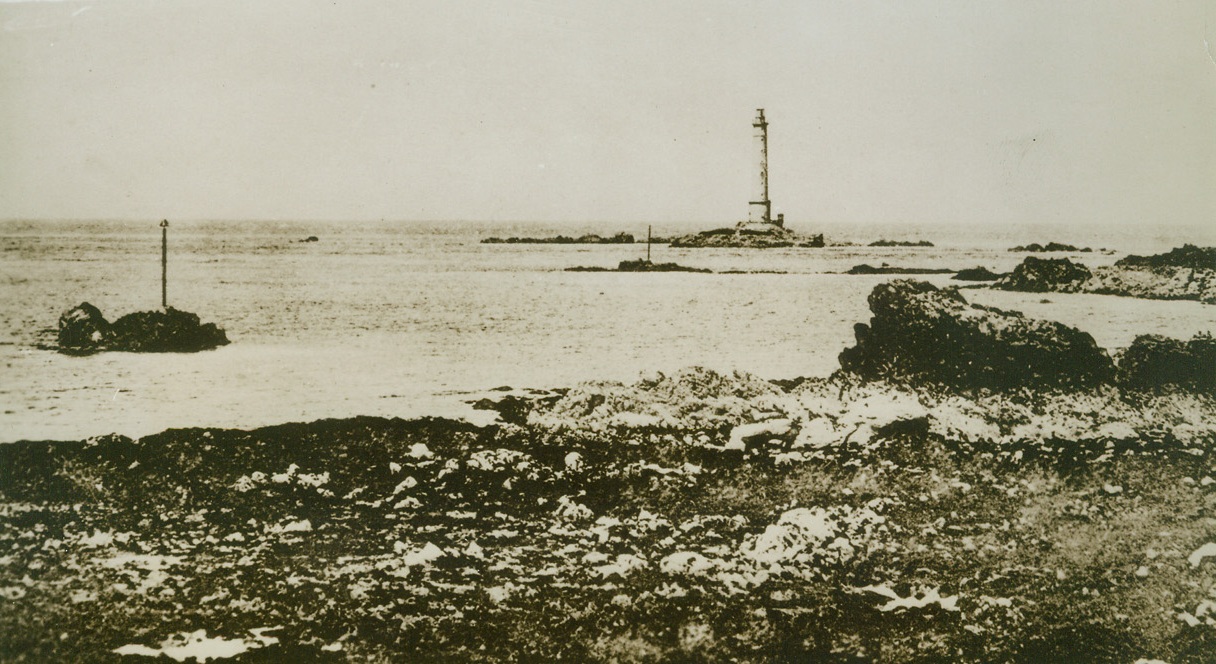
(83, 330)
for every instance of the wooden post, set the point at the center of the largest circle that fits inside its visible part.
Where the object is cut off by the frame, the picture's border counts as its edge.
(164, 263)
(647, 244)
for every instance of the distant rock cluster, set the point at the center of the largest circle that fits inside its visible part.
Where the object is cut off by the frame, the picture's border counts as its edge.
(619, 238)
(748, 236)
(83, 330)
(1184, 273)
(889, 269)
(641, 265)
(901, 243)
(1035, 247)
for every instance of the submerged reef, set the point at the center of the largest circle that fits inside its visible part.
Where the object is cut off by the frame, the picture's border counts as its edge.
(83, 330)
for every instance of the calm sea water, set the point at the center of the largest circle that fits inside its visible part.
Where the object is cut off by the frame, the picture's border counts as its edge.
(416, 319)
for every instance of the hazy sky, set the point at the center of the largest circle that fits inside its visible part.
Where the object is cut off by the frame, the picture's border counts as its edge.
(629, 111)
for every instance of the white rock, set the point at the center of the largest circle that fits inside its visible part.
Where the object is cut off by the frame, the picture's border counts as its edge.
(394, 467)
(301, 526)
(420, 451)
(687, 563)
(428, 554)
(793, 533)
(770, 428)
(1205, 551)
(931, 596)
(1116, 430)
(819, 432)
(635, 420)
(97, 539)
(625, 564)
(569, 510)
(574, 462)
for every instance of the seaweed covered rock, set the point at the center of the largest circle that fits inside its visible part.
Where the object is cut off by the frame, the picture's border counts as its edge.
(84, 330)
(1188, 255)
(1042, 275)
(170, 330)
(977, 274)
(922, 333)
(1153, 360)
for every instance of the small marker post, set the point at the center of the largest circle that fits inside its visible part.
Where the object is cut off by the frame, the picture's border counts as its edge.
(164, 263)
(647, 243)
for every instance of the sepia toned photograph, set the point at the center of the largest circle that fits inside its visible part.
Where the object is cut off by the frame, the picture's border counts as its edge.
(790, 331)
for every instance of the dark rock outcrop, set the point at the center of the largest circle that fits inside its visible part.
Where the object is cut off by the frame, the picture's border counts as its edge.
(1188, 256)
(1185, 273)
(888, 269)
(1043, 275)
(1035, 247)
(901, 243)
(84, 330)
(641, 265)
(978, 274)
(591, 238)
(1153, 361)
(920, 333)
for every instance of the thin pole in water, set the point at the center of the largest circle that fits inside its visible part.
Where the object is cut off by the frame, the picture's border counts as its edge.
(164, 263)
(647, 244)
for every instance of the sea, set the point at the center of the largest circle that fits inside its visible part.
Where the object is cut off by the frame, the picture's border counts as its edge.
(410, 319)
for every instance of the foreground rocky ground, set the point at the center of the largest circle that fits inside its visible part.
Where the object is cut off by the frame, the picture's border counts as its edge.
(1062, 515)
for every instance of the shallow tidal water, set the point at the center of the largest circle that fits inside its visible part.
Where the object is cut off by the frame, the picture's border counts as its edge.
(418, 319)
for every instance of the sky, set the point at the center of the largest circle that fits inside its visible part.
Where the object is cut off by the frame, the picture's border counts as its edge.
(949, 111)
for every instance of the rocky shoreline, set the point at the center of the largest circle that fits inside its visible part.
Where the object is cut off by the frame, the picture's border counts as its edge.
(971, 486)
